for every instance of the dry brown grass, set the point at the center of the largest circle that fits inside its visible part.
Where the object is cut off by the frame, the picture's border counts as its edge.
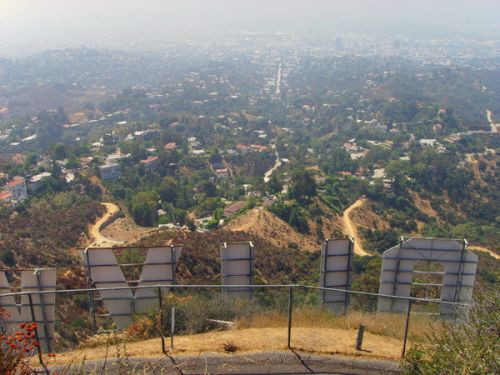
(384, 324)
(313, 330)
(314, 340)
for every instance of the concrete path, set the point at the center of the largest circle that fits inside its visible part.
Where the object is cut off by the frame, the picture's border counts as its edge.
(288, 362)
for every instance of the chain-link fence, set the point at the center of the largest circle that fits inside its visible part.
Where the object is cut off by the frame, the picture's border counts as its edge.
(148, 321)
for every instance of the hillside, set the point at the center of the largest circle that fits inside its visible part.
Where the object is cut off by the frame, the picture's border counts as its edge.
(263, 224)
(200, 260)
(43, 238)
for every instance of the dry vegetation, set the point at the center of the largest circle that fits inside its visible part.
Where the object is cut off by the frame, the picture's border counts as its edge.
(39, 239)
(313, 330)
(264, 224)
(200, 259)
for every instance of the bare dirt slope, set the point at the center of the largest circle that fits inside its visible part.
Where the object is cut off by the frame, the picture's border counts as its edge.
(350, 228)
(264, 224)
(125, 230)
(424, 205)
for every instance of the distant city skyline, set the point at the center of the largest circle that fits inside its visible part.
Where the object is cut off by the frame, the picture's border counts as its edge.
(30, 25)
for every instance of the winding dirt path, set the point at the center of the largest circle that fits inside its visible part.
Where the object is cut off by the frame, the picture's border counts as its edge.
(351, 230)
(97, 239)
(485, 250)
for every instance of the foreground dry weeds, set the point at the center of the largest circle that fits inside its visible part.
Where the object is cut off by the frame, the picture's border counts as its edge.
(313, 331)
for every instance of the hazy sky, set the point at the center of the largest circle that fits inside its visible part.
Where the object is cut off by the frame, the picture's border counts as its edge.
(32, 25)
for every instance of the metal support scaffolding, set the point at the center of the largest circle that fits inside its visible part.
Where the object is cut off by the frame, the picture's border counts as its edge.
(160, 307)
(290, 307)
(39, 349)
(407, 326)
(44, 313)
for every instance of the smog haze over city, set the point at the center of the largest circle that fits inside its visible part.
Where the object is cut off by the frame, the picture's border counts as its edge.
(28, 26)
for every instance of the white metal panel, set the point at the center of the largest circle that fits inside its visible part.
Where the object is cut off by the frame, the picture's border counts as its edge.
(106, 273)
(159, 269)
(42, 303)
(336, 268)
(237, 266)
(11, 322)
(397, 271)
(29, 283)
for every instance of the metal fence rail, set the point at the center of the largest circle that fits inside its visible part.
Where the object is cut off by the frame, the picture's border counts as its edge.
(267, 298)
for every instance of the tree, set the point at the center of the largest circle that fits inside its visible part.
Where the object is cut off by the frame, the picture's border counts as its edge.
(168, 190)
(144, 208)
(209, 188)
(298, 221)
(60, 152)
(274, 185)
(190, 224)
(302, 185)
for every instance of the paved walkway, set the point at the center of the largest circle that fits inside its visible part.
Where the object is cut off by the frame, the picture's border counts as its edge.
(289, 362)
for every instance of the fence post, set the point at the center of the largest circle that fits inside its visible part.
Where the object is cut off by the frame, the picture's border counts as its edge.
(407, 325)
(44, 314)
(160, 304)
(359, 339)
(39, 349)
(290, 306)
(172, 327)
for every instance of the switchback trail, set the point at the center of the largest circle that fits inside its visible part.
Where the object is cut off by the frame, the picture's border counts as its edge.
(351, 230)
(97, 239)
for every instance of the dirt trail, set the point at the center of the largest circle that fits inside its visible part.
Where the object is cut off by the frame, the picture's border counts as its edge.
(351, 230)
(97, 239)
(485, 250)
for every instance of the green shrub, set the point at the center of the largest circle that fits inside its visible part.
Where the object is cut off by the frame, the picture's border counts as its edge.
(468, 346)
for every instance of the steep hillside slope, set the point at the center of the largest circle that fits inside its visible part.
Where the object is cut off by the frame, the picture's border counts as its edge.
(263, 224)
(200, 259)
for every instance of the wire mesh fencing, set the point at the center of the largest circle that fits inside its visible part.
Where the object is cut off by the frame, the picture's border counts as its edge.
(152, 320)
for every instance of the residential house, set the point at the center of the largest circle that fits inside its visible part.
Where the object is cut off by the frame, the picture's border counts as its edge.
(36, 181)
(110, 171)
(222, 173)
(242, 148)
(259, 148)
(171, 146)
(234, 208)
(150, 163)
(5, 197)
(17, 188)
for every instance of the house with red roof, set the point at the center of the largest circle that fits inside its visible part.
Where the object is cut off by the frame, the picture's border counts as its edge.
(150, 163)
(17, 188)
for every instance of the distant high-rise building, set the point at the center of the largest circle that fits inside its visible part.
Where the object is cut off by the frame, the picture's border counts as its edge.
(339, 43)
(396, 44)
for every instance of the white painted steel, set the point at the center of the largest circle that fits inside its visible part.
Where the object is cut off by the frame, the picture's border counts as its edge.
(397, 271)
(159, 268)
(22, 314)
(336, 268)
(105, 272)
(237, 266)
